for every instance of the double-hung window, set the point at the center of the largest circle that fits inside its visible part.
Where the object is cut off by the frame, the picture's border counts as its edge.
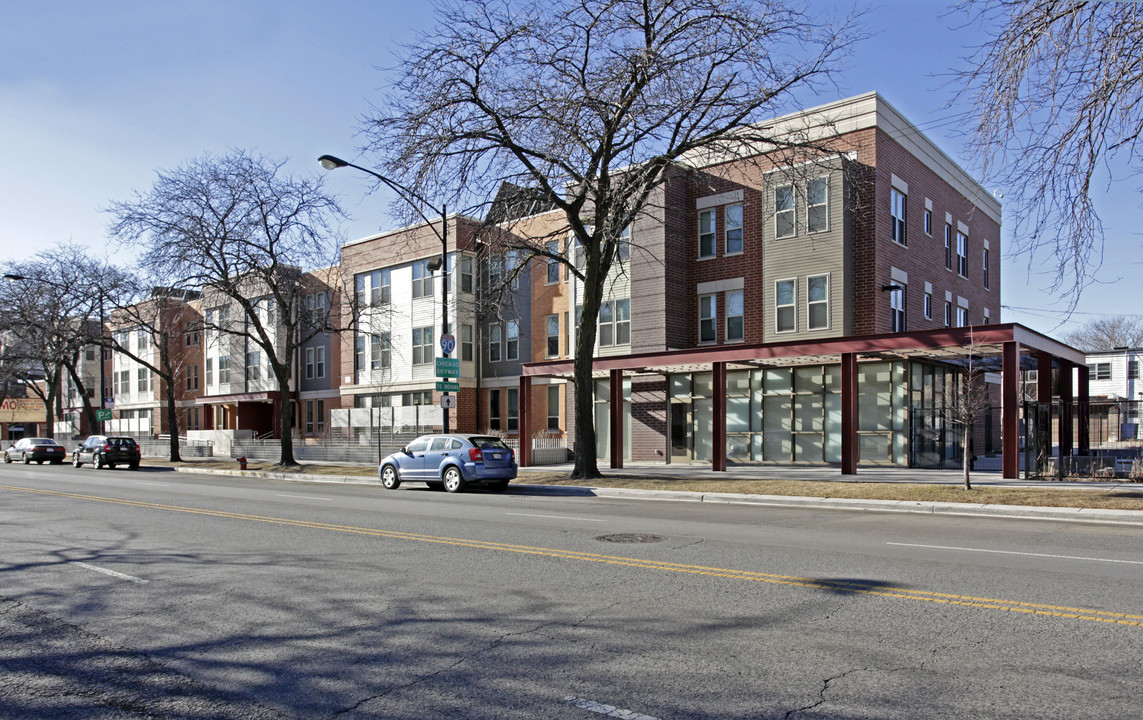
(706, 241)
(785, 306)
(466, 274)
(552, 328)
(423, 346)
(897, 309)
(708, 319)
(310, 363)
(1099, 371)
(928, 306)
(513, 397)
(897, 216)
(223, 369)
(494, 409)
(623, 248)
(380, 292)
(422, 279)
(961, 317)
(553, 265)
(209, 372)
(984, 267)
(817, 205)
(466, 343)
(495, 340)
(734, 316)
(513, 337)
(961, 254)
(253, 366)
(817, 302)
(553, 407)
(614, 323)
(948, 247)
(785, 216)
(948, 314)
(733, 229)
(359, 352)
(928, 221)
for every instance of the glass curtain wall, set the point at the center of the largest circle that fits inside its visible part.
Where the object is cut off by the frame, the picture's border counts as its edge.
(603, 419)
(789, 414)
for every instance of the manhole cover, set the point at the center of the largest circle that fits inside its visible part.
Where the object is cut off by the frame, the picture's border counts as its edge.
(631, 538)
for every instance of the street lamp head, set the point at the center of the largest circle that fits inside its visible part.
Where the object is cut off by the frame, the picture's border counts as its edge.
(330, 162)
(435, 264)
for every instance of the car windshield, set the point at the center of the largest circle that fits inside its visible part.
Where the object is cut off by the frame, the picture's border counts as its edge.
(488, 443)
(43, 441)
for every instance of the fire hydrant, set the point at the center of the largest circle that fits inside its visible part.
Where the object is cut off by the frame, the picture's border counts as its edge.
(241, 459)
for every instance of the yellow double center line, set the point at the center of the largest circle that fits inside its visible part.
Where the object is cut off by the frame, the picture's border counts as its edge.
(855, 588)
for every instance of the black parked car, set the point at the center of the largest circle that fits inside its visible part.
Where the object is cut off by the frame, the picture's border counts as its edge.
(101, 450)
(38, 450)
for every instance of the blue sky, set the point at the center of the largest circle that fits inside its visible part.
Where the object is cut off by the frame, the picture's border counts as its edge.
(97, 96)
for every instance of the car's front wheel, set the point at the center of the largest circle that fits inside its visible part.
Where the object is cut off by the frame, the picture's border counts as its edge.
(97, 460)
(453, 482)
(7, 459)
(389, 479)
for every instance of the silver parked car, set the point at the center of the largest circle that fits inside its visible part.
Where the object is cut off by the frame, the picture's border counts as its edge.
(36, 450)
(452, 461)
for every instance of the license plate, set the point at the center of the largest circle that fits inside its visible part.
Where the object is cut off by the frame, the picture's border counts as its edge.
(494, 456)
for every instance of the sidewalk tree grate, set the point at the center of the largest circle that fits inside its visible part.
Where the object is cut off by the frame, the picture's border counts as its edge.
(631, 538)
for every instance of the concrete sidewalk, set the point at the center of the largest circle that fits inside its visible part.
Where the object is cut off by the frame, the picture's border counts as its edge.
(521, 486)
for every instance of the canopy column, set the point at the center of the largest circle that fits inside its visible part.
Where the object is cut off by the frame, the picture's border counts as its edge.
(524, 413)
(718, 441)
(1010, 410)
(615, 397)
(849, 413)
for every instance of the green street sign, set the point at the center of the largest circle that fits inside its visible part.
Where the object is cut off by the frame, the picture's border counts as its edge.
(102, 415)
(448, 367)
(448, 387)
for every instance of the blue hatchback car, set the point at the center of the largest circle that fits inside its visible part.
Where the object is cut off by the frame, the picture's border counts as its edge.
(452, 461)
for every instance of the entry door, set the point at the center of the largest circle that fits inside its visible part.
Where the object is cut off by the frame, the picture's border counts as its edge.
(682, 433)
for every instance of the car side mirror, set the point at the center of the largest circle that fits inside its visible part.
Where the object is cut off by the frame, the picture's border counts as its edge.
(405, 450)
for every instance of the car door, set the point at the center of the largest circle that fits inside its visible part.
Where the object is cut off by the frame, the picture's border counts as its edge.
(434, 456)
(412, 461)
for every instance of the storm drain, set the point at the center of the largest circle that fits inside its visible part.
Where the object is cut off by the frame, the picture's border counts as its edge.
(631, 538)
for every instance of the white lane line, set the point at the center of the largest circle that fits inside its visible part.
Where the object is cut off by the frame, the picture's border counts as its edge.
(144, 482)
(554, 517)
(303, 497)
(1014, 552)
(112, 573)
(608, 710)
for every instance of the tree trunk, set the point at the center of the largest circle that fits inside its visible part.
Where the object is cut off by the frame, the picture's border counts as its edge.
(966, 460)
(586, 466)
(286, 420)
(172, 420)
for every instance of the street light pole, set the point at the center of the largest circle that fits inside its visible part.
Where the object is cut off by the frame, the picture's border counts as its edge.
(330, 162)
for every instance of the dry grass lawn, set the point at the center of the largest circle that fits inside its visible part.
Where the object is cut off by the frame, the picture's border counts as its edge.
(1046, 496)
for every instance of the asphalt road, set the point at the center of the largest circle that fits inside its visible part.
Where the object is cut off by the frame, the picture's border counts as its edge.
(156, 594)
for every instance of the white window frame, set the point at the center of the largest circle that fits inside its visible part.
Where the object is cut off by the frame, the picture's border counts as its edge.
(310, 365)
(512, 340)
(898, 320)
(984, 268)
(708, 319)
(733, 237)
(552, 266)
(928, 308)
(961, 316)
(495, 342)
(898, 216)
(961, 254)
(706, 234)
(550, 336)
(811, 303)
(780, 211)
(824, 205)
(553, 407)
(735, 333)
(423, 351)
(790, 308)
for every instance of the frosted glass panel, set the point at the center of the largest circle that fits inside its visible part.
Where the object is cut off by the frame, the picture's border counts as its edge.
(808, 447)
(704, 415)
(832, 447)
(777, 381)
(873, 447)
(778, 446)
(738, 382)
(776, 414)
(874, 397)
(680, 386)
(808, 380)
(704, 384)
(833, 378)
(737, 414)
(808, 413)
(738, 447)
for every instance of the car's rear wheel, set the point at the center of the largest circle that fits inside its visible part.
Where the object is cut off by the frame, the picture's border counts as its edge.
(75, 461)
(27, 460)
(453, 482)
(389, 479)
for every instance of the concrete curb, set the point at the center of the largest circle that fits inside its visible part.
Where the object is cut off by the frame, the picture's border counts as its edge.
(1025, 512)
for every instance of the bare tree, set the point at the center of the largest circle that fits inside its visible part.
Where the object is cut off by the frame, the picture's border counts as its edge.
(1108, 333)
(591, 103)
(967, 399)
(51, 305)
(243, 230)
(1057, 97)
